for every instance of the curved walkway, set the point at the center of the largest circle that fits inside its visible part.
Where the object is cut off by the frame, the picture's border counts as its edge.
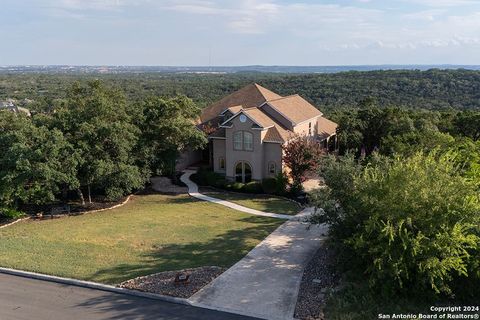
(193, 191)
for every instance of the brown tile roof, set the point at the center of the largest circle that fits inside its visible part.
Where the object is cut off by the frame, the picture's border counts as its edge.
(278, 134)
(295, 108)
(252, 95)
(235, 109)
(326, 128)
(259, 117)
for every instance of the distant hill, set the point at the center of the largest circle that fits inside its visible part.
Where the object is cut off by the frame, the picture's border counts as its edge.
(431, 89)
(224, 69)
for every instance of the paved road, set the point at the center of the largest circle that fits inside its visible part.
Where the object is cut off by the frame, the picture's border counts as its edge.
(22, 298)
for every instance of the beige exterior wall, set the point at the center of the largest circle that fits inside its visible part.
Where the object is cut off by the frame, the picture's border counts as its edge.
(302, 128)
(187, 158)
(272, 154)
(218, 152)
(254, 158)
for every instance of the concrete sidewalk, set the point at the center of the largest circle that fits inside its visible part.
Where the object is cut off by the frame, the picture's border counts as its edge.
(265, 283)
(193, 191)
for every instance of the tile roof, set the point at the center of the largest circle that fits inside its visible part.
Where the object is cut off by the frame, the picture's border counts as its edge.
(252, 95)
(278, 134)
(326, 128)
(295, 108)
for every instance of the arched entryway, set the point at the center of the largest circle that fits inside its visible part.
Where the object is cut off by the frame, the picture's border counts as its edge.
(243, 172)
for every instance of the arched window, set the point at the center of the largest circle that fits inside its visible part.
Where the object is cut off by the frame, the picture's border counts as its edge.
(238, 140)
(221, 163)
(243, 172)
(248, 141)
(243, 140)
(272, 167)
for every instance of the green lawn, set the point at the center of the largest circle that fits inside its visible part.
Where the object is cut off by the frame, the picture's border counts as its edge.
(151, 233)
(267, 203)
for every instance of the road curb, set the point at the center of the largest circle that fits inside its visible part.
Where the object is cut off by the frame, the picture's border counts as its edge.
(94, 285)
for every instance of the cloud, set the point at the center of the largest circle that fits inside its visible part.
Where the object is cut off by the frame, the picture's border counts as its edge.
(442, 3)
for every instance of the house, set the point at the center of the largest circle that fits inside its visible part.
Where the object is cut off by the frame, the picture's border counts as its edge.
(248, 128)
(10, 105)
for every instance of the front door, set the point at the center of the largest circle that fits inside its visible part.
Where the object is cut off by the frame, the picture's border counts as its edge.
(243, 172)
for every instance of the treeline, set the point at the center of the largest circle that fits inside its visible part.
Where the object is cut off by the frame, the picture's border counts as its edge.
(433, 89)
(93, 143)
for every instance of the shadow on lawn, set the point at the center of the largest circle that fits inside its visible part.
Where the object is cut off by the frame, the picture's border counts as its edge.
(223, 251)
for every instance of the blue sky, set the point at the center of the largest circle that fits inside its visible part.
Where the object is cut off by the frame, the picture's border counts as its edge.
(239, 32)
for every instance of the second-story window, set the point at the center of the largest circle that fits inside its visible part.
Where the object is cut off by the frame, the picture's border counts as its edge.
(248, 141)
(238, 140)
(243, 140)
(310, 129)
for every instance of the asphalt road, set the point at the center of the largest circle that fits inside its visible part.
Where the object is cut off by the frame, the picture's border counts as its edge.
(29, 299)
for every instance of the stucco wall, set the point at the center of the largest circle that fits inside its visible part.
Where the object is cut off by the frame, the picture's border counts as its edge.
(187, 158)
(254, 158)
(272, 153)
(218, 152)
(302, 128)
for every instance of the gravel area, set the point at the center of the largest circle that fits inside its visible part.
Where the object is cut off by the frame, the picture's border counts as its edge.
(164, 282)
(165, 185)
(319, 277)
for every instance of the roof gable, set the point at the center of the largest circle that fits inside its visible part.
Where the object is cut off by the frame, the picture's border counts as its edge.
(294, 108)
(252, 95)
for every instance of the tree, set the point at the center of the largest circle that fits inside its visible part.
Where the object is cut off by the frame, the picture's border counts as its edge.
(167, 129)
(98, 122)
(301, 155)
(409, 224)
(36, 163)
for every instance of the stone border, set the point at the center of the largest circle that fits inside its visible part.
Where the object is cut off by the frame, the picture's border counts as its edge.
(70, 215)
(14, 222)
(93, 285)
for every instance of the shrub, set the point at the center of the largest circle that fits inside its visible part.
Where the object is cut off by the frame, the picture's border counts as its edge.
(409, 224)
(269, 185)
(253, 187)
(281, 180)
(237, 186)
(10, 214)
(206, 177)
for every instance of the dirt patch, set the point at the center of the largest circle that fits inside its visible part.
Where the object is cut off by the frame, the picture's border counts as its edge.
(165, 185)
(318, 279)
(164, 282)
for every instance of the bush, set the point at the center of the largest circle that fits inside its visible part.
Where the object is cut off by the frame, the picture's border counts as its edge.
(269, 185)
(253, 187)
(206, 177)
(409, 224)
(237, 186)
(10, 214)
(281, 183)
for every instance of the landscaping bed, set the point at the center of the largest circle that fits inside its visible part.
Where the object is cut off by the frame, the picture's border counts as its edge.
(164, 282)
(319, 278)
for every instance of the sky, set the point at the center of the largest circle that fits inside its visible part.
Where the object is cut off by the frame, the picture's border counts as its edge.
(239, 32)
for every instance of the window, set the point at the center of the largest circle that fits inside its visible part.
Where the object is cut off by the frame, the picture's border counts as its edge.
(248, 141)
(221, 163)
(238, 140)
(272, 168)
(243, 140)
(310, 129)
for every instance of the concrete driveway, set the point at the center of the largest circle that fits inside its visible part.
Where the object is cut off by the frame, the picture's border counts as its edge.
(265, 283)
(27, 299)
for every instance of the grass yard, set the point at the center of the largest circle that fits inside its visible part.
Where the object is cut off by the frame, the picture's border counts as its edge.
(151, 233)
(262, 202)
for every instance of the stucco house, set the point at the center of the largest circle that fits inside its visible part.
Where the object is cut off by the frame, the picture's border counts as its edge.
(248, 128)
